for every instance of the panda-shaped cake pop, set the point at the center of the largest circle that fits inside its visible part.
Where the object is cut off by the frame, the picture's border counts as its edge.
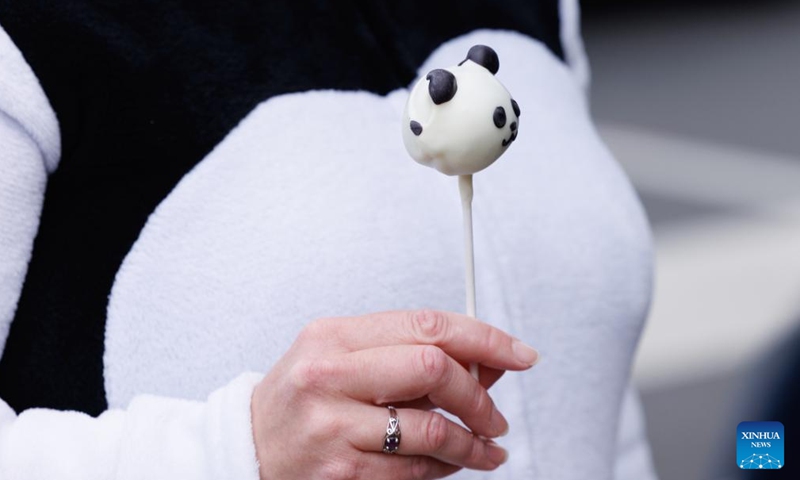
(459, 120)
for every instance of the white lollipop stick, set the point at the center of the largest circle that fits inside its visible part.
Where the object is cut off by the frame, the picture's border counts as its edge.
(465, 188)
(459, 120)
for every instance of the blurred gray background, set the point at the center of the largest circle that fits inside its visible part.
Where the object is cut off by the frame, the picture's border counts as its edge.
(699, 103)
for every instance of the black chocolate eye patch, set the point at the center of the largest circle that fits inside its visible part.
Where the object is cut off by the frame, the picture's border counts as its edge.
(499, 117)
(515, 106)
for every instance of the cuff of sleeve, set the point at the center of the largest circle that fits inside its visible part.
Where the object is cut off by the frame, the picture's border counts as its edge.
(167, 438)
(231, 448)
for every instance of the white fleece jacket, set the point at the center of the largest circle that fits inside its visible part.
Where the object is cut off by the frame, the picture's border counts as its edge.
(562, 249)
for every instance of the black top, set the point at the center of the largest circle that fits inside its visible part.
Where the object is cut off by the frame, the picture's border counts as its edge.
(143, 91)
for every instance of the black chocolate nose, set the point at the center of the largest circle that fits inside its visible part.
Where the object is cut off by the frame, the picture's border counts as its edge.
(513, 126)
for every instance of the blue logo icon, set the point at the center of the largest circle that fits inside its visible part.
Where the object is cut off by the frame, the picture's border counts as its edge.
(759, 445)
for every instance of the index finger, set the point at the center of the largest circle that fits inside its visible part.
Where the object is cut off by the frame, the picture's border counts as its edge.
(463, 338)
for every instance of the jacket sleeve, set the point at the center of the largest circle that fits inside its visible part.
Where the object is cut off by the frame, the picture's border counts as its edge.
(154, 437)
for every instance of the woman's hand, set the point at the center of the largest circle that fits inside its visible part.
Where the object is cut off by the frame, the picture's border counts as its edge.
(321, 412)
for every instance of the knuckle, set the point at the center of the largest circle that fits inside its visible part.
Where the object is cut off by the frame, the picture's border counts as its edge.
(312, 332)
(429, 326)
(493, 340)
(311, 375)
(323, 427)
(480, 403)
(477, 452)
(436, 432)
(420, 468)
(341, 468)
(433, 364)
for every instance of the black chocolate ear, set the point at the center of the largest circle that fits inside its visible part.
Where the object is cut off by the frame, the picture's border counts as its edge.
(442, 86)
(485, 57)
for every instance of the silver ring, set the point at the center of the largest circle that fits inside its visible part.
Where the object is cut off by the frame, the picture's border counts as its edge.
(391, 441)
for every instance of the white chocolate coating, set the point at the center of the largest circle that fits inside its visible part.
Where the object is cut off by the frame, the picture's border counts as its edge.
(460, 137)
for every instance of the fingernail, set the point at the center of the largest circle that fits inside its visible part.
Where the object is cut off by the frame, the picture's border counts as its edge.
(504, 432)
(496, 453)
(499, 424)
(525, 353)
